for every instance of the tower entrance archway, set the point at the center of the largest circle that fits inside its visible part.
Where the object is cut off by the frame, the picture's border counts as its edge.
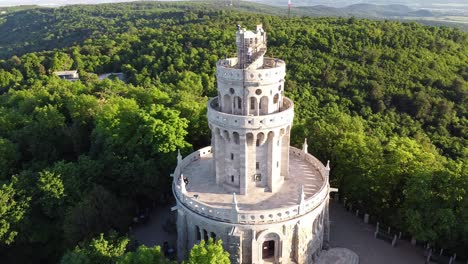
(268, 249)
(269, 244)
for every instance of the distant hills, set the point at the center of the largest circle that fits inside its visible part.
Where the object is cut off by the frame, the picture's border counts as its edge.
(365, 10)
(426, 4)
(452, 13)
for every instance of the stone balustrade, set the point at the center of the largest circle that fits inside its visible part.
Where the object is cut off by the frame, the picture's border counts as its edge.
(221, 214)
(239, 122)
(233, 215)
(313, 160)
(282, 213)
(272, 70)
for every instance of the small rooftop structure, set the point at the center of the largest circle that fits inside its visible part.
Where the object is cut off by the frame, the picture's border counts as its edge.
(251, 47)
(68, 75)
(110, 75)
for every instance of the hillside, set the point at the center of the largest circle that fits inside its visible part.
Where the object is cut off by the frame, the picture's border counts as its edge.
(384, 101)
(31, 28)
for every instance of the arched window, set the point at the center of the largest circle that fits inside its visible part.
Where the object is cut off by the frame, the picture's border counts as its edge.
(260, 138)
(250, 139)
(235, 136)
(314, 226)
(263, 105)
(213, 236)
(197, 233)
(237, 107)
(227, 105)
(252, 103)
(275, 99)
(271, 135)
(226, 136)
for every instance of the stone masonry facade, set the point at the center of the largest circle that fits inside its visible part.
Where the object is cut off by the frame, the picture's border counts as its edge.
(267, 201)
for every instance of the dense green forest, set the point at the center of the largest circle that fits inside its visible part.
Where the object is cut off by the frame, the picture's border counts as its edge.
(26, 29)
(384, 101)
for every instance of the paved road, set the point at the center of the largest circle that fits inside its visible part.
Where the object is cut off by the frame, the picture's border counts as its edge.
(152, 233)
(349, 231)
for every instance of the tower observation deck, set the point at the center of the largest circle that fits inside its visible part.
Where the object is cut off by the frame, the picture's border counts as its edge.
(250, 187)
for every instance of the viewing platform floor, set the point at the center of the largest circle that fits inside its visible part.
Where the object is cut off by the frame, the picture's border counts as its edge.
(202, 183)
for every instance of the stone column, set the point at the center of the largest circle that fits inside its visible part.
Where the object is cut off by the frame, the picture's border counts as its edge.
(213, 150)
(234, 245)
(270, 161)
(299, 240)
(218, 156)
(227, 162)
(284, 164)
(181, 235)
(326, 230)
(243, 156)
(233, 105)
(202, 235)
(274, 163)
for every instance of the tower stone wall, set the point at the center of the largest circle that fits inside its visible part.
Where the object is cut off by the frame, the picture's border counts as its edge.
(267, 201)
(250, 119)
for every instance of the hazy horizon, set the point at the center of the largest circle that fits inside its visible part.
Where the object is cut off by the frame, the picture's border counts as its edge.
(426, 4)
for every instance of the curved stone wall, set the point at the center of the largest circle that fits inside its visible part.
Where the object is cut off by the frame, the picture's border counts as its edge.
(272, 71)
(297, 240)
(256, 91)
(241, 123)
(258, 216)
(282, 209)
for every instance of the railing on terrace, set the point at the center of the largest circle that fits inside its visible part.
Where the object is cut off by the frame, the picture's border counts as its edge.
(284, 116)
(268, 63)
(234, 215)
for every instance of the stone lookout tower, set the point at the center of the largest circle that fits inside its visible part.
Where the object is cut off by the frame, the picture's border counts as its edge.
(266, 200)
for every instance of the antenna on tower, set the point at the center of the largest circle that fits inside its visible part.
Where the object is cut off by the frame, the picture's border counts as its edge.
(289, 8)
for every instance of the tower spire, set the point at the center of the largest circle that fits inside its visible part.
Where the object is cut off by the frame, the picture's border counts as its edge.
(305, 146)
(182, 184)
(179, 157)
(302, 194)
(234, 202)
(302, 199)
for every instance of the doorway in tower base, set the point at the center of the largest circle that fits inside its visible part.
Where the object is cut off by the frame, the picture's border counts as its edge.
(269, 246)
(268, 249)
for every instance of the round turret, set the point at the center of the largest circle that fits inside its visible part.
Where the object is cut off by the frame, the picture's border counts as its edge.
(250, 120)
(266, 200)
